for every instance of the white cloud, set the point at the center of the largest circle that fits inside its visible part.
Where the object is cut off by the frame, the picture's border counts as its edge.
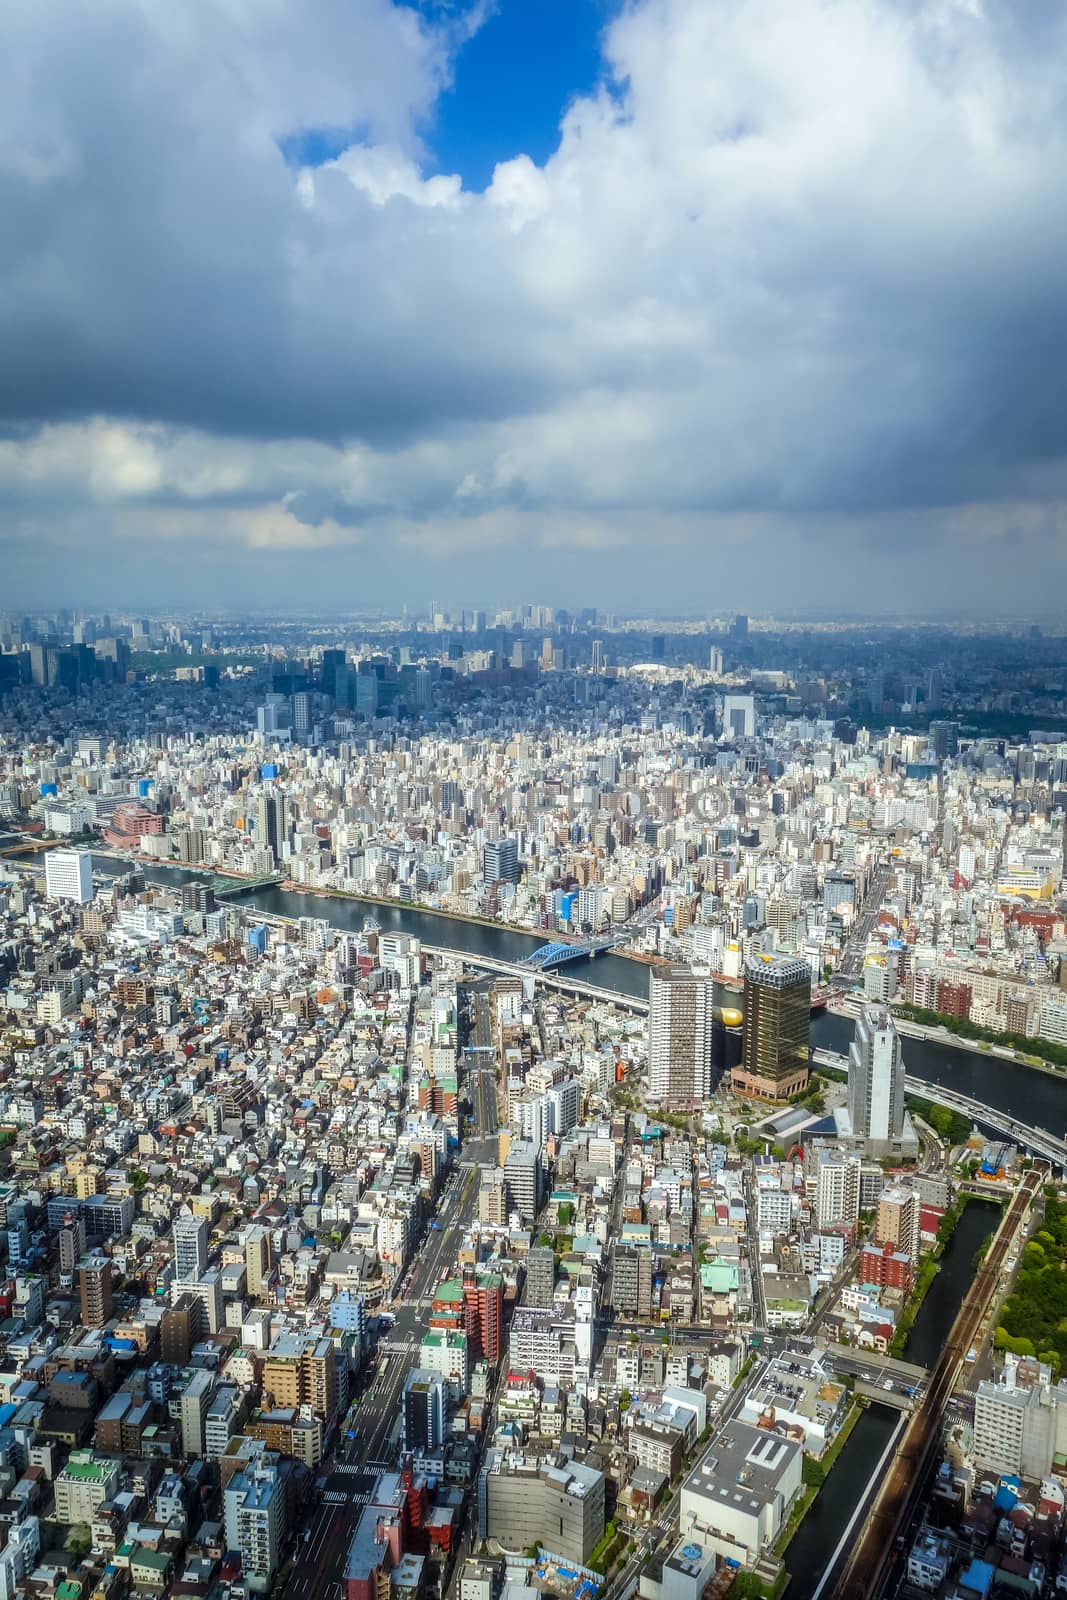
(792, 269)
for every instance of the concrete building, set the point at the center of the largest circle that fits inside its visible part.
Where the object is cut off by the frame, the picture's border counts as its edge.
(547, 1500)
(190, 1247)
(680, 1016)
(255, 1521)
(196, 1397)
(68, 875)
(522, 1175)
(876, 1082)
(896, 1219)
(739, 1495)
(1020, 1419)
(258, 1260)
(631, 1280)
(540, 1276)
(85, 1483)
(423, 1411)
(94, 1289)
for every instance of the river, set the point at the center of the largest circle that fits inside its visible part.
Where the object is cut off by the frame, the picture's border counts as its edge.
(1003, 1085)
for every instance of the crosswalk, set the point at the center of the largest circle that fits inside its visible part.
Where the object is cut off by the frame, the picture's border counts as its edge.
(334, 1497)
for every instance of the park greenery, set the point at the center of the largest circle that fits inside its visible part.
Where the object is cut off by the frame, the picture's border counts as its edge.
(951, 1126)
(1033, 1320)
(963, 1028)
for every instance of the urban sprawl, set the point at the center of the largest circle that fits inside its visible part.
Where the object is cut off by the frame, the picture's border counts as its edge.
(531, 1101)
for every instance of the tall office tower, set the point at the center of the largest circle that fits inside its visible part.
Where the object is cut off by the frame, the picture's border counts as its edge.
(302, 713)
(258, 1260)
(190, 1248)
(715, 661)
(68, 875)
(597, 662)
(272, 821)
(774, 1046)
(680, 1015)
(876, 1078)
(739, 626)
(944, 739)
(94, 1288)
(500, 861)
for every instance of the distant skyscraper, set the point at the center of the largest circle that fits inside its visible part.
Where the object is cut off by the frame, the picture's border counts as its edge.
(301, 713)
(272, 821)
(500, 861)
(68, 875)
(739, 716)
(715, 661)
(680, 1016)
(777, 1015)
(876, 1078)
(739, 628)
(598, 655)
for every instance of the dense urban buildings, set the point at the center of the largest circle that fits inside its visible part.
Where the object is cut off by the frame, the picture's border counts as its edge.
(450, 1095)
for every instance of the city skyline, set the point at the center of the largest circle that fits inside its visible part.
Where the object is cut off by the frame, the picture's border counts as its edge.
(627, 302)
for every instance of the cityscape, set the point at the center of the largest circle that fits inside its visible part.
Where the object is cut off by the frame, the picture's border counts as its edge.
(531, 1099)
(533, 800)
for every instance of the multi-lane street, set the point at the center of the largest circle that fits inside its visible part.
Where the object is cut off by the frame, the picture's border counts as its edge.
(851, 963)
(369, 1437)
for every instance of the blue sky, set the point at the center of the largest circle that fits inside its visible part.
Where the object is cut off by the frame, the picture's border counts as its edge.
(512, 83)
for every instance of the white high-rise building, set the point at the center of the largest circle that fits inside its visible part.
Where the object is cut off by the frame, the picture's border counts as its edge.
(1020, 1419)
(190, 1248)
(739, 716)
(680, 1015)
(68, 875)
(876, 1078)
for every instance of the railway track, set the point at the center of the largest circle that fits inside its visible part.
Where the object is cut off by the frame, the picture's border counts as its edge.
(864, 1571)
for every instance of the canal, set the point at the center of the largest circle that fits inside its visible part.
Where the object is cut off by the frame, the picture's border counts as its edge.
(955, 1275)
(819, 1535)
(989, 1079)
(812, 1546)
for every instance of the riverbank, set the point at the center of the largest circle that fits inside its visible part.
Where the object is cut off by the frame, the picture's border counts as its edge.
(939, 1034)
(292, 887)
(986, 1042)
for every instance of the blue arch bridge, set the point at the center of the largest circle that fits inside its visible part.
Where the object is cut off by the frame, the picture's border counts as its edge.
(556, 954)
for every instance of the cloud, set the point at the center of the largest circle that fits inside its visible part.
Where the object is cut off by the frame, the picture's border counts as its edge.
(792, 277)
